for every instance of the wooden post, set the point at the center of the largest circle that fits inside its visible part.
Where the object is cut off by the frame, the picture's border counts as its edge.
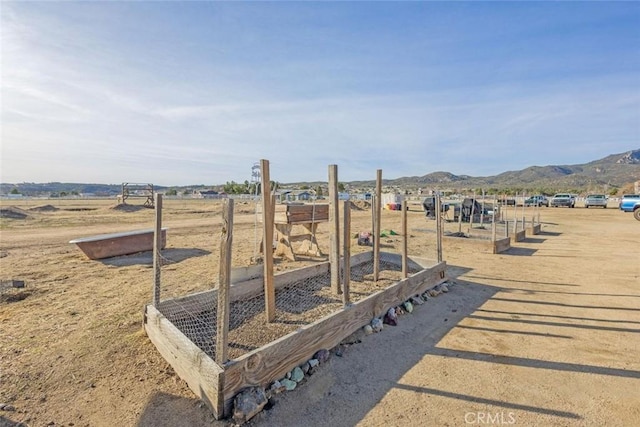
(493, 225)
(267, 233)
(460, 217)
(334, 236)
(346, 251)
(439, 227)
(376, 232)
(473, 206)
(524, 197)
(482, 212)
(515, 216)
(405, 241)
(157, 245)
(224, 282)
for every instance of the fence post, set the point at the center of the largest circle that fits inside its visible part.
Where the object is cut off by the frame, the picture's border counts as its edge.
(334, 236)
(376, 225)
(267, 223)
(405, 241)
(346, 241)
(224, 282)
(438, 227)
(157, 245)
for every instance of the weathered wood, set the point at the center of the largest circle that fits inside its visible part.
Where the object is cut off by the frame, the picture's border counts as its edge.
(157, 246)
(519, 236)
(334, 236)
(405, 241)
(267, 233)
(377, 215)
(203, 376)
(501, 245)
(439, 227)
(346, 251)
(261, 366)
(116, 244)
(535, 229)
(224, 283)
(493, 225)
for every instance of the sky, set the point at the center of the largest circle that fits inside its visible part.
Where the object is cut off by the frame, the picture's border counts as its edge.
(186, 93)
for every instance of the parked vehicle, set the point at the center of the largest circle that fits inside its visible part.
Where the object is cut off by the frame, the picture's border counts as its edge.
(563, 199)
(629, 202)
(596, 200)
(537, 200)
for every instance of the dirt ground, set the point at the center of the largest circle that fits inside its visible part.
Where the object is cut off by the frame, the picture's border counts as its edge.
(547, 333)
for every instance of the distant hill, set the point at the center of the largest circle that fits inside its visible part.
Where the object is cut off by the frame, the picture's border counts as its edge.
(614, 172)
(617, 171)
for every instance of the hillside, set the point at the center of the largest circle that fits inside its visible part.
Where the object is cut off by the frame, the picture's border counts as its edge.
(611, 173)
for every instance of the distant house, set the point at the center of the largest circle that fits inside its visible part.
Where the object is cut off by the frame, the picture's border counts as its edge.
(295, 195)
(210, 194)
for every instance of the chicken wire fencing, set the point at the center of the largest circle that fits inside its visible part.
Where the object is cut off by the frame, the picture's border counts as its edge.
(298, 303)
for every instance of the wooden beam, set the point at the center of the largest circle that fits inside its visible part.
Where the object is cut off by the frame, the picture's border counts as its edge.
(405, 241)
(493, 225)
(346, 251)
(439, 232)
(334, 233)
(267, 232)
(157, 245)
(377, 214)
(224, 282)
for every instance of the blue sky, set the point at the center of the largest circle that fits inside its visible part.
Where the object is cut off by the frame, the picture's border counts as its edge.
(179, 93)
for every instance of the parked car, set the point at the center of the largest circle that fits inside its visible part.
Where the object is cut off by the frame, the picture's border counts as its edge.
(537, 200)
(563, 199)
(596, 200)
(629, 202)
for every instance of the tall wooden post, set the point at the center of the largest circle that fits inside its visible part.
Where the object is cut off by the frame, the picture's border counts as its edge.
(405, 241)
(224, 282)
(376, 226)
(334, 236)
(460, 217)
(346, 251)
(267, 239)
(515, 216)
(482, 212)
(524, 197)
(157, 245)
(438, 227)
(493, 225)
(473, 208)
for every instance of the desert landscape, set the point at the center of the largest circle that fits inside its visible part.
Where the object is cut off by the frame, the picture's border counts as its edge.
(546, 333)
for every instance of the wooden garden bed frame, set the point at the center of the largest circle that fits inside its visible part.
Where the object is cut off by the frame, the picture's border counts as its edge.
(217, 384)
(115, 244)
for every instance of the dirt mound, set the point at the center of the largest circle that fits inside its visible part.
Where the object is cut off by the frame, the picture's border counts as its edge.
(12, 212)
(123, 207)
(44, 208)
(360, 205)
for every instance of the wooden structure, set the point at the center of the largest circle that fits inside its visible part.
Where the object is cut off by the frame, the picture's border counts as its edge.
(116, 244)
(482, 240)
(217, 384)
(307, 216)
(131, 189)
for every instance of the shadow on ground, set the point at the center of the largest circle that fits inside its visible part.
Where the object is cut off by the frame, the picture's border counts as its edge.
(171, 256)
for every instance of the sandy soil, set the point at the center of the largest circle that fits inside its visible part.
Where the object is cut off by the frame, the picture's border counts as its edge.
(544, 334)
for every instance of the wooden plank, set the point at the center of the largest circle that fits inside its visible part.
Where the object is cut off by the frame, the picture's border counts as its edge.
(334, 236)
(268, 363)
(203, 376)
(377, 214)
(157, 245)
(267, 226)
(501, 245)
(535, 229)
(346, 255)
(519, 236)
(224, 283)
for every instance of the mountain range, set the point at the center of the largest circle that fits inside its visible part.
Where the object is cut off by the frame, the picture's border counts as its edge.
(614, 173)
